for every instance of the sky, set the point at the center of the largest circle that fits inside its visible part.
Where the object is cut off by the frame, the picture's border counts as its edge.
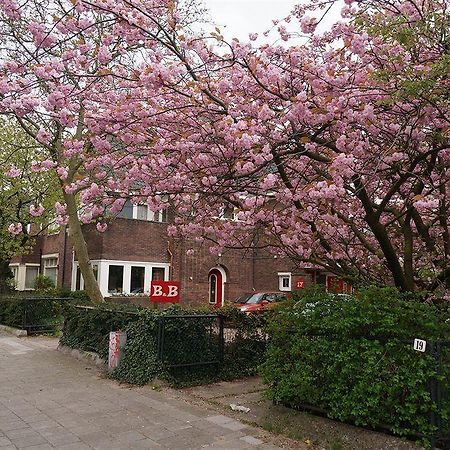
(238, 18)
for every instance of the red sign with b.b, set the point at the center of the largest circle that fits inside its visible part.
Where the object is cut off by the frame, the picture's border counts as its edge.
(165, 291)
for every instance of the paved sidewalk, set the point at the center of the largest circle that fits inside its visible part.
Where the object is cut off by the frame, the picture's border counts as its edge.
(50, 400)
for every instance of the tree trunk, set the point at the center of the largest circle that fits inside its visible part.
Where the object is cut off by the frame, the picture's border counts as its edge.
(81, 251)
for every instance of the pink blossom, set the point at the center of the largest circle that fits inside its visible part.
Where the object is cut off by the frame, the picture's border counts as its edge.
(62, 220)
(13, 172)
(308, 25)
(15, 228)
(101, 227)
(43, 136)
(104, 55)
(36, 211)
(60, 208)
(62, 172)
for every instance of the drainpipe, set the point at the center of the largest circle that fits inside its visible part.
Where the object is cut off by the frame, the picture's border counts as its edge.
(171, 260)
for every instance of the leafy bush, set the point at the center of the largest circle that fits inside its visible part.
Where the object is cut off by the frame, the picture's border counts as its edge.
(345, 355)
(187, 341)
(32, 314)
(43, 284)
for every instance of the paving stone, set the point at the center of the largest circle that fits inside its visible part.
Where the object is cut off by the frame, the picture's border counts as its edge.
(230, 444)
(219, 420)
(62, 438)
(4, 441)
(28, 441)
(234, 425)
(74, 446)
(129, 437)
(156, 432)
(251, 440)
(146, 443)
(15, 425)
(39, 447)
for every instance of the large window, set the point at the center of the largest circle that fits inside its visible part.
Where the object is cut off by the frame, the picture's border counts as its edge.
(115, 279)
(137, 280)
(51, 268)
(31, 272)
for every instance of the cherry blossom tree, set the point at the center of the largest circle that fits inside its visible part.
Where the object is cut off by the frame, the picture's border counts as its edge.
(338, 149)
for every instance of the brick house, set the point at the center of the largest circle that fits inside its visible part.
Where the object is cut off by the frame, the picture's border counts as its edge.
(137, 249)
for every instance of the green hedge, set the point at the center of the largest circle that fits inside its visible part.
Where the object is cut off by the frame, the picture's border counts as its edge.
(32, 313)
(345, 355)
(186, 341)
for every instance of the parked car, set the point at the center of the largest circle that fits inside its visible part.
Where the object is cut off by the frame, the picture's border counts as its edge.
(242, 298)
(262, 301)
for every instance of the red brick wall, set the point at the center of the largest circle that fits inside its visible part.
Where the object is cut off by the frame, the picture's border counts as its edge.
(129, 240)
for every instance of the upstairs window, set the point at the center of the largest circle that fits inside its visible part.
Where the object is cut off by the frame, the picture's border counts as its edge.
(142, 212)
(127, 211)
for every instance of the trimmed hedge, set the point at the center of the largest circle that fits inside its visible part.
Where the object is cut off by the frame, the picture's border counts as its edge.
(34, 314)
(345, 355)
(186, 341)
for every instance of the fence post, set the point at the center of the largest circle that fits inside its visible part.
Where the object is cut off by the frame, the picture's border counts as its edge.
(160, 338)
(436, 395)
(24, 316)
(438, 360)
(221, 338)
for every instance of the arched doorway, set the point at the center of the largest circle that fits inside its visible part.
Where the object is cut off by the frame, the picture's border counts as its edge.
(217, 277)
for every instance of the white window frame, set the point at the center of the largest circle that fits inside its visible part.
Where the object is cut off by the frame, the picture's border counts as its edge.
(103, 274)
(282, 276)
(25, 275)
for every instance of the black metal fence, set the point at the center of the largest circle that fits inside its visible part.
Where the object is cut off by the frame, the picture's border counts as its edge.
(36, 315)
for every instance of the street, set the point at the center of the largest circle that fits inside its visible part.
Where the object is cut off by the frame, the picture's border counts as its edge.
(50, 400)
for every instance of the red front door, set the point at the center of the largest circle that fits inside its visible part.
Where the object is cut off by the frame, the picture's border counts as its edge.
(215, 288)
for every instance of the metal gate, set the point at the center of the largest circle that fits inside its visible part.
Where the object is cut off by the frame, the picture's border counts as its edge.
(190, 340)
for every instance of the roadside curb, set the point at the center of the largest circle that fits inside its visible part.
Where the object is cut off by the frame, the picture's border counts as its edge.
(82, 355)
(18, 332)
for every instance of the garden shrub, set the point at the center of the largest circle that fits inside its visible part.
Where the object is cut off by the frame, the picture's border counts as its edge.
(345, 355)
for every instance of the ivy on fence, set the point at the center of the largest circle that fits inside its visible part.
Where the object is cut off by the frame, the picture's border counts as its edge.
(87, 328)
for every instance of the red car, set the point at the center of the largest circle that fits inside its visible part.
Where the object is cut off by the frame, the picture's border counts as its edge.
(262, 301)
